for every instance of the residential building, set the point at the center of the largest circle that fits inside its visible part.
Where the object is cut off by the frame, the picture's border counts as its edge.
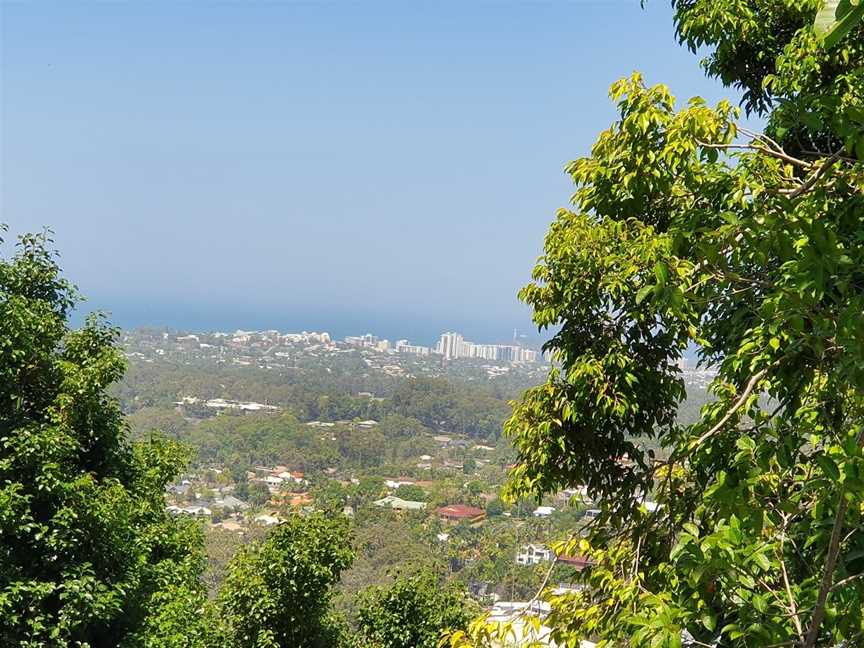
(267, 520)
(398, 504)
(534, 555)
(544, 511)
(455, 513)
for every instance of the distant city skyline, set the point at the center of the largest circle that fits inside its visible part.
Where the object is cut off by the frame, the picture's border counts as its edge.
(433, 342)
(387, 166)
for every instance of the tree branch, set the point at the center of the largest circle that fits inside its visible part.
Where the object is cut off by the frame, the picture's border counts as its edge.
(826, 587)
(792, 607)
(846, 581)
(827, 574)
(813, 179)
(738, 404)
(781, 155)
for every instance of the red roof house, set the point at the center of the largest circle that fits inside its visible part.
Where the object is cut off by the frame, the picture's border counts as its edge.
(460, 512)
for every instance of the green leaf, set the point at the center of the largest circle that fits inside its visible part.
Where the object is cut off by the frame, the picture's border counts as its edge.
(762, 560)
(837, 18)
(643, 293)
(828, 467)
(661, 272)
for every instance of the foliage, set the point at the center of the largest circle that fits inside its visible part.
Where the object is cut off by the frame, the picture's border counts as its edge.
(257, 493)
(410, 407)
(277, 593)
(221, 545)
(837, 18)
(88, 555)
(384, 544)
(412, 612)
(687, 229)
(411, 492)
(495, 507)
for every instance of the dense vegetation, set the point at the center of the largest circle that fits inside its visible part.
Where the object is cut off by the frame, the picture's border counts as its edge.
(688, 229)
(89, 555)
(683, 233)
(317, 394)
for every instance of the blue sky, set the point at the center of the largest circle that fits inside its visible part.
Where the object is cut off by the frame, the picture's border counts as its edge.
(351, 166)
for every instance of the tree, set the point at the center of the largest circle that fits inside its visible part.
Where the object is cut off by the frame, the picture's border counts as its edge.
(494, 508)
(411, 492)
(88, 554)
(258, 493)
(469, 466)
(690, 230)
(368, 490)
(412, 612)
(277, 593)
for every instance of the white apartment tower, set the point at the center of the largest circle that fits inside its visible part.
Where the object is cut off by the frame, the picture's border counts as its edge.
(450, 345)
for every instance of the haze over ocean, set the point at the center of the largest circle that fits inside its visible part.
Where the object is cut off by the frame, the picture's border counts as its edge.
(383, 167)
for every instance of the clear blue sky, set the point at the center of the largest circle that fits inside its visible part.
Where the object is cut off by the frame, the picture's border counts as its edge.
(349, 166)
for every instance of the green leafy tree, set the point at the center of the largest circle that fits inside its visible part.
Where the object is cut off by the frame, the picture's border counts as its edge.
(411, 492)
(412, 612)
(277, 593)
(495, 507)
(88, 554)
(689, 231)
(257, 493)
(368, 490)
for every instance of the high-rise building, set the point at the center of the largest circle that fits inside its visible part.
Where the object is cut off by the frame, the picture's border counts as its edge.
(451, 346)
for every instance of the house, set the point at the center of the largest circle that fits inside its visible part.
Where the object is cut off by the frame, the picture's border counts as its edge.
(534, 555)
(231, 525)
(178, 489)
(543, 511)
(393, 484)
(267, 520)
(525, 625)
(292, 476)
(398, 504)
(231, 503)
(196, 511)
(455, 513)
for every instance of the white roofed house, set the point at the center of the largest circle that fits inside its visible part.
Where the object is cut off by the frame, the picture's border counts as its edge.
(396, 483)
(398, 504)
(544, 511)
(521, 623)
(195, 511)
(267, 520)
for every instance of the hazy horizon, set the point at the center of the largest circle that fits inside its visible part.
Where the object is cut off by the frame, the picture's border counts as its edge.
(379, 167)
